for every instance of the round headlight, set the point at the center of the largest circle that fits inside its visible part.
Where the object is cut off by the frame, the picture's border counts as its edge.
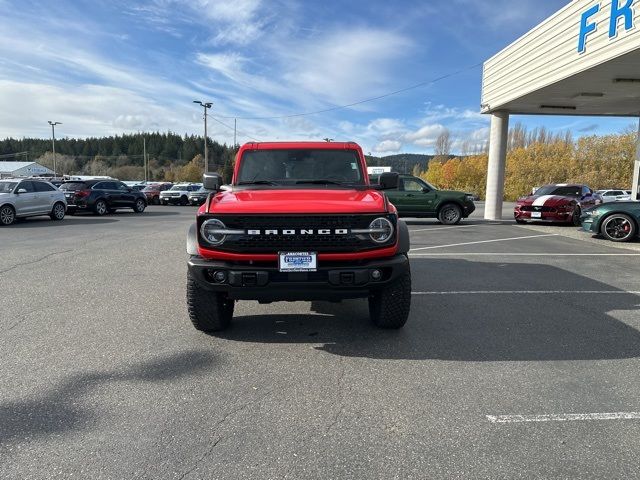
(211, 231)
(381, 230)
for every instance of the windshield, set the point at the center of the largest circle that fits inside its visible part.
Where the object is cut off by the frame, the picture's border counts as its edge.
(7, 187)
(151, 188)
(565, 191)
(180, 187)
(291, 167)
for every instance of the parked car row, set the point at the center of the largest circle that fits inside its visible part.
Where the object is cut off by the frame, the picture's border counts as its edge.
(102, 196)
(608, 213)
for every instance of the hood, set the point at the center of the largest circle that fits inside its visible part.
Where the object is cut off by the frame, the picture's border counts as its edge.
(298, 201)
(546, 200)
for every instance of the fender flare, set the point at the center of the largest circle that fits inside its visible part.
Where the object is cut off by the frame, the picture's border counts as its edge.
(192, 240)
(404, 242)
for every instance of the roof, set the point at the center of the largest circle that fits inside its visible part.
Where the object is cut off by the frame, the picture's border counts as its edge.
(13, 166)
(294, 145)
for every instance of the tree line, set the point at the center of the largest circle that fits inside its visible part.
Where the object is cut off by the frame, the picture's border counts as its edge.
(538, 158)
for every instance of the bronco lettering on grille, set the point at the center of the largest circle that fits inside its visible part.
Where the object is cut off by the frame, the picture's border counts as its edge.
(325, 231)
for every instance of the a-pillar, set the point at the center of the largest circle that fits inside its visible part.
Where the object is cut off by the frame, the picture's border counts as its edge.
(636, 170)
(497, 161)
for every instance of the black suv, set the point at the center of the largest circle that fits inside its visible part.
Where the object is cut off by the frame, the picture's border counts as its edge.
(101, 196)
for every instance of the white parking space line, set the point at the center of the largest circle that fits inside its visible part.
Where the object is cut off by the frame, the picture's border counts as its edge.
(563, 417)
(532, 292)
(513, 254)
(437, 229)
(485, 241)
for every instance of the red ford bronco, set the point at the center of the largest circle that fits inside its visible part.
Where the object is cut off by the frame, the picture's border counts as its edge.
(299, 221)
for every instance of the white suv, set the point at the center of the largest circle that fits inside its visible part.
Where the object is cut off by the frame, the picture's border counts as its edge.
(21, 198)
(179, 193)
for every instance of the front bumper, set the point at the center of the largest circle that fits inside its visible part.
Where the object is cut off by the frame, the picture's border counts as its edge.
(590, 224)
(548, 217)
(332, 282)
(468, 208)
(170, 199)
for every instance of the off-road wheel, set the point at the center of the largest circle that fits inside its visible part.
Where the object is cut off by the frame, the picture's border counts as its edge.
(450, 214)
(57, 212)
(7, 215)
(100, 208)
(139, 206)
(619, 228)
(389, 307)
(208, 311)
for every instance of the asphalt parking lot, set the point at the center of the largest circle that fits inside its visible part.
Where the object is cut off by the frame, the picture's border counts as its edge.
(520, 360)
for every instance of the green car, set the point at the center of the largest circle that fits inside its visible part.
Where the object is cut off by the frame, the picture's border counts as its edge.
(416, 198)
(615, 221)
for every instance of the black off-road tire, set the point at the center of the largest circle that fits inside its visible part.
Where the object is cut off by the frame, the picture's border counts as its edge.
(57, 212)
(208, 311)
(450, 214)
(389, 308)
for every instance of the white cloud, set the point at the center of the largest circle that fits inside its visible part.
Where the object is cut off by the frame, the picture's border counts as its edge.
(388, 146)
(425, 136)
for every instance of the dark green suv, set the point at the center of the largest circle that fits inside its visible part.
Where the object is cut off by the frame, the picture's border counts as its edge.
(416, 198)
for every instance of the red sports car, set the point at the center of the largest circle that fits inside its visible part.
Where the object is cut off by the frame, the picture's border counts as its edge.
(559, 203)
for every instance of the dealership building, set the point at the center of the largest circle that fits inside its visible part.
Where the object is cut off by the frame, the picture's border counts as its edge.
(23, 169)
(583, 60)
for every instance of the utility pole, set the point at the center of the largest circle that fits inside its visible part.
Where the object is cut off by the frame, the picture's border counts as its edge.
(144, 157)
(235, 131)
(205, 105)
(53, 142)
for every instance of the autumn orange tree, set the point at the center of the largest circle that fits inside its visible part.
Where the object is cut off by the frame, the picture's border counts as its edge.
(598, 161)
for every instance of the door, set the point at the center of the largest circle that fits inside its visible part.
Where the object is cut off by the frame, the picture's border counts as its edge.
(413, 197)
(26, 202)
(126, 196)
(45, 196)
(108, 191)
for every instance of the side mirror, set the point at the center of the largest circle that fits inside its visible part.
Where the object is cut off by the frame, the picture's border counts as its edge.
(21, 190)
(389, 180)
(212, 181)
(426, 189)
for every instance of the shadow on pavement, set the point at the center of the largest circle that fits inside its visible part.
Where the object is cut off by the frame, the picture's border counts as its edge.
(62, 408)
(469, 327)
(45, 222)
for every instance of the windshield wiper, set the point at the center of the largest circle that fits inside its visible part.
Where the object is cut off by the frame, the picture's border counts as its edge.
(258, 182)
(319, 182)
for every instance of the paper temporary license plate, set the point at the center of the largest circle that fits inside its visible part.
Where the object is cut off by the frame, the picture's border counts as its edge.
(298, 261)
(536, 214)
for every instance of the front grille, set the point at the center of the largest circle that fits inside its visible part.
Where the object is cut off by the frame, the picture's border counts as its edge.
(316, 243)
(531, 208)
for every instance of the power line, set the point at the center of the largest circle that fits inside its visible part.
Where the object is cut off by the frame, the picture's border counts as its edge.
(372, 99)
(232, 128)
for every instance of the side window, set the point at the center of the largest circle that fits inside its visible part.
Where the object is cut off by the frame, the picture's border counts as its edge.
(43, 187)
(411, 185)
(586, 191)
(26, 185)
(100, 186)
(121, 187)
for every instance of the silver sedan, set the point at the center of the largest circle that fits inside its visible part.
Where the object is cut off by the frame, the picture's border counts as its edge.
(21, 198)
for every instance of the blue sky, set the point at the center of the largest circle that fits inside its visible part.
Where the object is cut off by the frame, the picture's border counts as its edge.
(107, 67)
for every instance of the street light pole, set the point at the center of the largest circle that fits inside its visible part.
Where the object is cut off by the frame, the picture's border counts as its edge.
(53, 141)
(205, 105)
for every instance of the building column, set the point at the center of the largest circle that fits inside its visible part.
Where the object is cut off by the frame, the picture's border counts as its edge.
(635, 187)
(497, 161)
